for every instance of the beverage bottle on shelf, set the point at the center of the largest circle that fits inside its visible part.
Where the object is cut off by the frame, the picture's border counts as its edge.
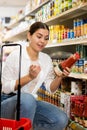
(69, 61)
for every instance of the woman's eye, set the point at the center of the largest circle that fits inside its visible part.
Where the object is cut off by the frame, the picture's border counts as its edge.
(39, 37)
(47, 38)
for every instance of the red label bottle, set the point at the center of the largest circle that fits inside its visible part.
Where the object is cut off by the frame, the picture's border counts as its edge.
(69, 61)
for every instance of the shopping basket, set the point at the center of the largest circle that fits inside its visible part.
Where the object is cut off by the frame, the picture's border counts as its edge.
(18, 123)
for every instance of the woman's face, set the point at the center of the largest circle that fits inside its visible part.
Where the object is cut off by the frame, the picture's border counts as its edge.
(39, 39)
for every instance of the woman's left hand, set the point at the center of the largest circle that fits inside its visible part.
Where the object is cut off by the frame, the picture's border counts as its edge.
(66, 72)
(63, 73)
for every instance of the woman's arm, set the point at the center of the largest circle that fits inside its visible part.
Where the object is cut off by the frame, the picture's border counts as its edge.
(57, 81)
(10, 73)
(54, 78)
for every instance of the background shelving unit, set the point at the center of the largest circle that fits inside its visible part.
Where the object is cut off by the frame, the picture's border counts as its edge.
(31, 13)
(65, 18)
(69, 15)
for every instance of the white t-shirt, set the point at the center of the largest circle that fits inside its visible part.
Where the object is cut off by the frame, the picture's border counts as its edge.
(11, 72)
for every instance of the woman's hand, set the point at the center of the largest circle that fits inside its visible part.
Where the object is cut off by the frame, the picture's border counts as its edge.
(34, 71)
(66, 72)
(63, 73)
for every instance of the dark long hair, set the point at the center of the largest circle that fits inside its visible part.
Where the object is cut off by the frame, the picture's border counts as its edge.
(37, 25)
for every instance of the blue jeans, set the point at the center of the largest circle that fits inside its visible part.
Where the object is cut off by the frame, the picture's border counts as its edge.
(44, 116)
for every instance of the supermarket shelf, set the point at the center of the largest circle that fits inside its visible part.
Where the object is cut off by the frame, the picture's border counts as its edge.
(68, 42)
(69, 14)
(22, 35)
(78, 76)
(16, 37)
(31, 13)
(15, 22)
(37, 8)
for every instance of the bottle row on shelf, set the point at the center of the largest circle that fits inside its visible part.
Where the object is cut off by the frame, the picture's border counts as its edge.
(22, 13)
(60, 33)
(45, 9)
(73, 103)
(56, 7)
(67, 33)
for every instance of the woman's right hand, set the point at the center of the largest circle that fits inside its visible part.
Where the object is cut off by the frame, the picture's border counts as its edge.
(34, 71)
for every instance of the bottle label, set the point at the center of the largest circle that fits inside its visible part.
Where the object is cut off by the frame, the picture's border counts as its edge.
(57, 70)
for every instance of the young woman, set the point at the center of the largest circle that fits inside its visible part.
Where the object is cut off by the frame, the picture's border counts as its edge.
(36, 68)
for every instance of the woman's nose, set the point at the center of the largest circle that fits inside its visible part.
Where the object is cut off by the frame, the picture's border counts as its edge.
(43, 40)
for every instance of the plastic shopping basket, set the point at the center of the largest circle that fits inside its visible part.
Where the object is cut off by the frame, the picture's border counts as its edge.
(22, 124)
(19, 123)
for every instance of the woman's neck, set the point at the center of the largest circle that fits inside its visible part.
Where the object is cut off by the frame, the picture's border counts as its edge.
(32, 54)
